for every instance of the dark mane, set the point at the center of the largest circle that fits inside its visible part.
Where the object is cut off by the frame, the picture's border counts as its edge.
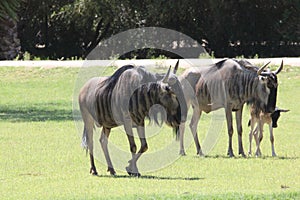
(146, 75)
(112, 80)
(247, 65)
(220, 63)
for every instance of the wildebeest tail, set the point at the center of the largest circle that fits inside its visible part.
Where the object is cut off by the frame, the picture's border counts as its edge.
(176, 133)
(84, 140)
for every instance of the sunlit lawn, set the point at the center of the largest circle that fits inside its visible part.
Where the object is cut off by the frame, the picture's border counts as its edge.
(41, 155)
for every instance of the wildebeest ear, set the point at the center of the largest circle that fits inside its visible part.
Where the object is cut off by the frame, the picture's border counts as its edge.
(260, 70)
(176, 67)
(279, 69)
(166, 77)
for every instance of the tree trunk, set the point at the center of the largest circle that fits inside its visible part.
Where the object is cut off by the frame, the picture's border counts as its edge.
(9, 41)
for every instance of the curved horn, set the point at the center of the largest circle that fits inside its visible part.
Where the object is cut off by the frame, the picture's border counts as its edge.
(166, 77)
(262, 68)
(279, 69)
(176, 67)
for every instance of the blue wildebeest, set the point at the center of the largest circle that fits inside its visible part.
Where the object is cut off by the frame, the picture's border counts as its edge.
(125, 99)
(226, 84)
(260, 119)
(260, 115)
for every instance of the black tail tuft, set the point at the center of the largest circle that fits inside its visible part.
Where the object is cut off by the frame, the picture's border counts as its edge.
(177, 133)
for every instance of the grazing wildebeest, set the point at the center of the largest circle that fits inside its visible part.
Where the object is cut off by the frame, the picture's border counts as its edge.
(261, 119)
(226, 84)
(125, 99)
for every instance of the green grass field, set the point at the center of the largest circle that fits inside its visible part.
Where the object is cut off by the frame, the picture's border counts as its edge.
(41, 155)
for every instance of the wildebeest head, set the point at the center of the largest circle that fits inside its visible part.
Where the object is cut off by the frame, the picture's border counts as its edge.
(159, 97)
(176, 87)
(275, 116)
(173, 100)
(269, 78)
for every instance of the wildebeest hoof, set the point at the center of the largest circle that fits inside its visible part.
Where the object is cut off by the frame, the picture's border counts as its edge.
(243, 155)
(111, 171)
(201, 154)
(131, 173)
(182, 153)
(258, 154)
(134, 174)
(241, 152)
(230, 154)
(274, 154)
(93, 172)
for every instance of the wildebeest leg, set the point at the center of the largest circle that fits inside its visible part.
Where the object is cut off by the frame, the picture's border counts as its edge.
(132, 168)
(251, 136)
(272, 139)
(193, 126)
(260, 137)
(181, 134)
(144, 145)
(255, 134)
(89, 141)
(228, 112)
(238, 115)
(88, 138)
(181, 138)
(103, 141)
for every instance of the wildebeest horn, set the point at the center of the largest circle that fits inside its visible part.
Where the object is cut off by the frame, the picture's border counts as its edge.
(166, 77)
(176, 67)
(279, 69)
(262, 68)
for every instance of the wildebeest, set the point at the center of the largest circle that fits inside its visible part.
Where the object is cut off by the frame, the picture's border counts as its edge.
(227, 84)
(261, 119)
(261, 115)
(125, 99)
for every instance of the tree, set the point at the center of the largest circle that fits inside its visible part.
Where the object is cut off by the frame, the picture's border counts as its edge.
(67, 28)
(9, 43)
(73, 28)
(36, 29)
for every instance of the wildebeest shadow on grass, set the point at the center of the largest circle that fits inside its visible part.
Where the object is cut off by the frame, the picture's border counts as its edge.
(152, 177)
(251, 157)
(36, 112)
(278, 157)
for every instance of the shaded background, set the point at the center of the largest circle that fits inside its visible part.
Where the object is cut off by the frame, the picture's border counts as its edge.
(70, 29)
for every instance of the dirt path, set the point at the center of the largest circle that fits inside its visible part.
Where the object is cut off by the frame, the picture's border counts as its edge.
(147, 62)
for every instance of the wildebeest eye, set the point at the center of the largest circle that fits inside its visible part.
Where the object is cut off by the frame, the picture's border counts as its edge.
(167, 88)
(263, 78)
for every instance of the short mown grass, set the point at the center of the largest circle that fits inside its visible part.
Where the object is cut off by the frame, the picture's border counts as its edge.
(41, 155)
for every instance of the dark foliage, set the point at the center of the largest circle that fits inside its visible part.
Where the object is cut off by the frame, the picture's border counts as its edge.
(72, 28)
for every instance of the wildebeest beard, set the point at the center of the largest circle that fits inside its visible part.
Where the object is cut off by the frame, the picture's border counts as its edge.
(171, 110)
(270, 107)
(181, 114)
